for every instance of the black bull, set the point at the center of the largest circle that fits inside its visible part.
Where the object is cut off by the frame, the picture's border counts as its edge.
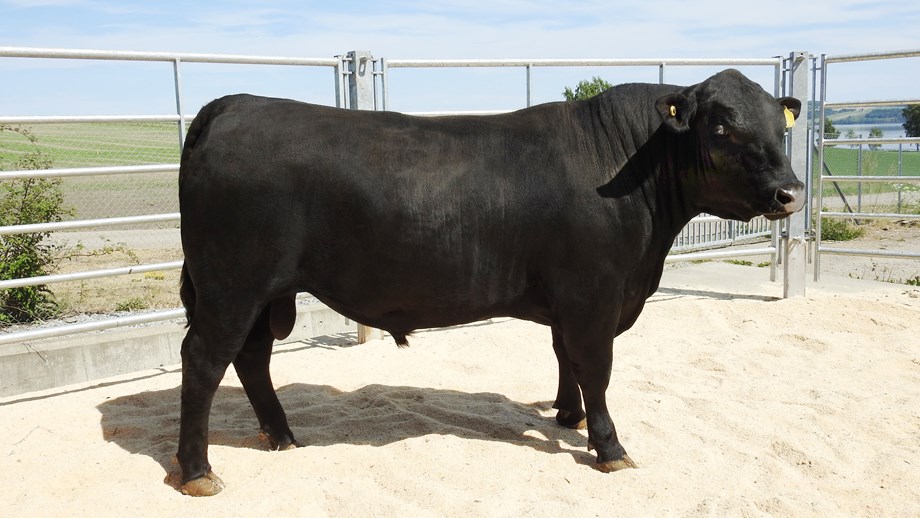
(560, 214)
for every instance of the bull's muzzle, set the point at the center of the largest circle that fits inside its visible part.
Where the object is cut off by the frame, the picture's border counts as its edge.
(789, 199)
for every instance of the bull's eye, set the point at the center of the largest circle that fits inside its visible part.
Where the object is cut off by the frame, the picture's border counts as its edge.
(719, 130)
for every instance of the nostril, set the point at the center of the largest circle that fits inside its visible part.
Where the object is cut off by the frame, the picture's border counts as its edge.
(785, 196)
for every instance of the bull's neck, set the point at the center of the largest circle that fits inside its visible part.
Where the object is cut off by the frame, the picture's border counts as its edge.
(659, 165)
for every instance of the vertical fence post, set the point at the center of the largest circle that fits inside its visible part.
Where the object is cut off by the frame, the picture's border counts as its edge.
(177, 76)
(361, 97)
(529, 84)
(384, 90)
(794, 242)
(361, 80)
(859, 172)
(900, 166)
(339, 87)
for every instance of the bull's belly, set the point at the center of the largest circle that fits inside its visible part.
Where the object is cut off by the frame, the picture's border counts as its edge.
(402, 316)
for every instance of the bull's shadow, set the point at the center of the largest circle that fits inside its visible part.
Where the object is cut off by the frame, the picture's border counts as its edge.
(320, 415)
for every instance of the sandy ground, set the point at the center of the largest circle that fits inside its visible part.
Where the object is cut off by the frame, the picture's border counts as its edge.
(732, 401)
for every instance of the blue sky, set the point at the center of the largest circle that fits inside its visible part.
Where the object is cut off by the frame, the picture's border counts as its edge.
(430, 29)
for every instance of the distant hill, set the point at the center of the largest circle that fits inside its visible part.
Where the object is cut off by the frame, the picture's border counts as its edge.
(885, 115)
(881, 115)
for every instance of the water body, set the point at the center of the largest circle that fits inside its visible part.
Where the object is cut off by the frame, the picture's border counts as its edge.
(891, 130)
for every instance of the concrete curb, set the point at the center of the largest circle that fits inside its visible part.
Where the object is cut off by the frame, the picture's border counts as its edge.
(54, 362)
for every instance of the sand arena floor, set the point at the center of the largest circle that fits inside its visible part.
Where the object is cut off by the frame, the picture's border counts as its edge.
(731, 400)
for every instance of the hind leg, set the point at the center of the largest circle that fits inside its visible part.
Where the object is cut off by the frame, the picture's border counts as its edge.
(568, 395)
(207, 350)
(252, 366)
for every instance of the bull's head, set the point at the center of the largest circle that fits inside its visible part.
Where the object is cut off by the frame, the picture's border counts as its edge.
(737, 132)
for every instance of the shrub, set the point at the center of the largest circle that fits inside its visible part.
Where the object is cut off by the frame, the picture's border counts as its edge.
(740, 262)
(135, 304)
(840, 230)
(23, 202)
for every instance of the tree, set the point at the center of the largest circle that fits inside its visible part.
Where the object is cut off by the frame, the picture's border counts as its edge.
(912, 121)
(875, 133)
(830, 131)
(851, 135)
(586, 89)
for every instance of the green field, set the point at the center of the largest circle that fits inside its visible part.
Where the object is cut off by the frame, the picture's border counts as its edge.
(105, 144)
(845, 161)
(96, 144)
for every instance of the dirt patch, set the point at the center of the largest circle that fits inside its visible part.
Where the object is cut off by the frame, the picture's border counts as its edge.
(151, 290)
(893, 236)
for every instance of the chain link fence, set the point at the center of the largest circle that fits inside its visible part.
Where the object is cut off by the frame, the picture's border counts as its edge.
(863, 160)
(101, 144)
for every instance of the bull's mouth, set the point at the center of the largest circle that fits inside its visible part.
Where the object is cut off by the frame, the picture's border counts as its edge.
(773, 216)
(787, 201)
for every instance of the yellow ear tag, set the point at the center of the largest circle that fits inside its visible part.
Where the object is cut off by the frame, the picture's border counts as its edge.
(673, 111)
(790, 118)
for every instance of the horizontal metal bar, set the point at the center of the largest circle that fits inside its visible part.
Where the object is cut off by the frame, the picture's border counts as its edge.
(872, 56)
(866, 104)
(446, 63)
(87, 171)
(871, 179)
(449, 113)
(698, 244)
(708, 219)
(892, 254)
(867, 215)
(93, 274)
(858, 141)
(67, 119)
(87, 223)
(98, 325)
(721, 254)
(118, 55)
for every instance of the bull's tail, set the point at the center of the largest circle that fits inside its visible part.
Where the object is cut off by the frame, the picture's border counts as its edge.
(187, 294)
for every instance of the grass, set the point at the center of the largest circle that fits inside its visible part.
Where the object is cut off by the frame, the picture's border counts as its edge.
(106, 144)
(99, 143)
(742, 262)
(840, 230)
(739, 262)
(134, 304)
(844, 161)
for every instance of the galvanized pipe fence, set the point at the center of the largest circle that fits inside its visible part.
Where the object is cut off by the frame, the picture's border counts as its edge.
(360, 82)
(822, 65)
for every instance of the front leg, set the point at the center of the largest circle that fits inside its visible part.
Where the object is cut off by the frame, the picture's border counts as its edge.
(588, 344)
(602, 434)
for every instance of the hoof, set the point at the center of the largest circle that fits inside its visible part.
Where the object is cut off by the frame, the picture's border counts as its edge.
(287, 444)
(616, 465)
(208, 485)
(573, 420)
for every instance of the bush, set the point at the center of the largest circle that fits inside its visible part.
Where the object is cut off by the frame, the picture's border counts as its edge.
(24, 202)
(839, 230)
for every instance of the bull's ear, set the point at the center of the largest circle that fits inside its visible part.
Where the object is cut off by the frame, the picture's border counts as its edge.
(792, 104)
(676, 111)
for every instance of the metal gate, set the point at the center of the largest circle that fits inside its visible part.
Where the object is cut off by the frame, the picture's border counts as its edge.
(825, 176)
